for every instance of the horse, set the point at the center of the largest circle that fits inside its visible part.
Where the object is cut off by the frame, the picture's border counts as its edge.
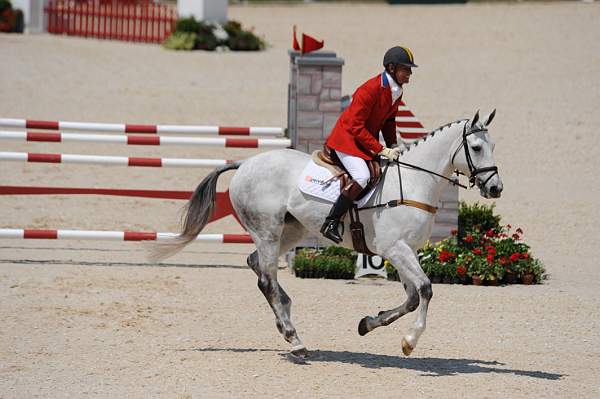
(277, 215)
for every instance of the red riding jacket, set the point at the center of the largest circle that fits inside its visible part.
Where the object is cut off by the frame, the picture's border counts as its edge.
(371, 110)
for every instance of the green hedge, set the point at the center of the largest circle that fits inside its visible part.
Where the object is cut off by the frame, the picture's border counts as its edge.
(330, 262)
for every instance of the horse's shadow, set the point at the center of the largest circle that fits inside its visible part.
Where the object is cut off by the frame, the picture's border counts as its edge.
(428, 366)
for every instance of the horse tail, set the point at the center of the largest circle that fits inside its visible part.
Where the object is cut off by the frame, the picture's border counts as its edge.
(198, 211)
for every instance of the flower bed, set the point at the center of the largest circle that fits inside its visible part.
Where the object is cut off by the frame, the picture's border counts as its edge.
(481, 251)
(190, 34)
(330, 262)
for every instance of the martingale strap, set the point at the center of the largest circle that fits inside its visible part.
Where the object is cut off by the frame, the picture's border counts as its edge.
(405, 202)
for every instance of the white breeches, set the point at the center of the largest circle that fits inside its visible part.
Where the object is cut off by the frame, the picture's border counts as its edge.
(356, 166)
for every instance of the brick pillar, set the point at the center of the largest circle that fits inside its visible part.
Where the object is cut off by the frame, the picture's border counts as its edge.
(314, 95)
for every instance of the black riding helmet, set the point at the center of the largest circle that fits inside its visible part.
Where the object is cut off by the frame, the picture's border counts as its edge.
(399, 55)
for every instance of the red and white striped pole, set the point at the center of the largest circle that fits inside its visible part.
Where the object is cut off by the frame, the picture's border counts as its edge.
(229, 142)
(136, 128)
(112, 160)
(118, 236)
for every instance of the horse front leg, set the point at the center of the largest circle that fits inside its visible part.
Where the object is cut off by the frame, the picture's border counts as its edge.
(419, 293)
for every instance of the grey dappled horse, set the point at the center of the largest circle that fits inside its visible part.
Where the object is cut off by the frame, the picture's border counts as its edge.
(265, 195)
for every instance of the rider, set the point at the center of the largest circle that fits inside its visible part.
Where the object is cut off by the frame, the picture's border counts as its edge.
(355, 137)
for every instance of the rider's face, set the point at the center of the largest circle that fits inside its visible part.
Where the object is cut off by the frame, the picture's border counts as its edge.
(402, 74)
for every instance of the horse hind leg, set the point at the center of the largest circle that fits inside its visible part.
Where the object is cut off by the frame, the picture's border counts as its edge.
(264, 262)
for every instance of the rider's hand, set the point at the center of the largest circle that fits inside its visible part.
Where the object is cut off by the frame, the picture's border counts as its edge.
(390, 153)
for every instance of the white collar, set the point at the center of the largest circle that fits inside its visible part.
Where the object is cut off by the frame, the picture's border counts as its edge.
(396, 88)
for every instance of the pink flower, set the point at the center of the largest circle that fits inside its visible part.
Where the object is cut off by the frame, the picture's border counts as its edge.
(519, 230)
(516, 237)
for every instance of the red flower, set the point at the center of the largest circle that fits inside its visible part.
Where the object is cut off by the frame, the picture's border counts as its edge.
(525, 255)
(445, 256)
(490, 258)
(469, 238)
(490, 233)
(516, 237)
(519, 230)
(461, 270)
(454, 232)
(503, 260)
(515, 257)
(477, 251)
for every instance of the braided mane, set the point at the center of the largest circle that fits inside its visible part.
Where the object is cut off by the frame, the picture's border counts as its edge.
(431, 134)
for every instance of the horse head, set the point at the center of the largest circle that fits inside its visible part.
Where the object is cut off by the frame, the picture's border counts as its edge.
(477, 161)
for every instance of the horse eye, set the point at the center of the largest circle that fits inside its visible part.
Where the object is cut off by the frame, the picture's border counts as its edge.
(476, 148)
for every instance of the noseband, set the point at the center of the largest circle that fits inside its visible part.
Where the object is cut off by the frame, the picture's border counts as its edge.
(473, 171)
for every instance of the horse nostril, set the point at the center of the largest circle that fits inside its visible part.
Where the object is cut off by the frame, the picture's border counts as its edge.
(494, 190)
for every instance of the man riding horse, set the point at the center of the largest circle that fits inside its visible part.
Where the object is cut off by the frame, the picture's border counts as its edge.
(355, 137)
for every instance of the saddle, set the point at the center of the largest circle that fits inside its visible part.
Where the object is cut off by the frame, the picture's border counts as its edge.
(328, 159)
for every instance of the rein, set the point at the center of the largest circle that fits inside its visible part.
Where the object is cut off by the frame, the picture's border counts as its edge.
(473, 171)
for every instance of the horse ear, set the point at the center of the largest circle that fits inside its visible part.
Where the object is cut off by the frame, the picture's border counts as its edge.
(490, 117)
(475, 119)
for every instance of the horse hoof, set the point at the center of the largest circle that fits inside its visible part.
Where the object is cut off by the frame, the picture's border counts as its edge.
(406, 348)
(300, 351)
(362, 326)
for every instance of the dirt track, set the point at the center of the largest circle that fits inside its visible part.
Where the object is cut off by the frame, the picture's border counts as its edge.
(86, 319)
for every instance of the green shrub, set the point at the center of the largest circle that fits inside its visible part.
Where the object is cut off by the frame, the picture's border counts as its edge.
(476, 218)
(181, 41)
(187, 25)
(4, 5)
(245, 41)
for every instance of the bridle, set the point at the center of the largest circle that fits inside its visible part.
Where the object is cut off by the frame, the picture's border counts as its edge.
(473, 170)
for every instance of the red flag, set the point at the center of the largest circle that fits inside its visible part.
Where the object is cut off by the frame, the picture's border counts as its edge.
(310, 44)
(296, 45)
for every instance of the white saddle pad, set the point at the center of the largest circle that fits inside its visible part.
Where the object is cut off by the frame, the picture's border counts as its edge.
(318, 181)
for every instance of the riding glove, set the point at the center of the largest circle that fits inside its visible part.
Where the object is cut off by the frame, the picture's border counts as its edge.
(390, 153)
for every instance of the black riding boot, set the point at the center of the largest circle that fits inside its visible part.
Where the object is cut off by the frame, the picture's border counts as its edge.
(330, 227)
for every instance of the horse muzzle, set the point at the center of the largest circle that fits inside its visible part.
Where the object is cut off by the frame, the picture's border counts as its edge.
(492, 188)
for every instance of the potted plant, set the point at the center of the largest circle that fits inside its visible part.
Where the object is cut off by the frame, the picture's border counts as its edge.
(330, 262)
(477, 269)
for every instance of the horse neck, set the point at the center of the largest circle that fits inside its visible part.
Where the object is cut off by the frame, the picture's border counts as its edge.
(434, 154)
